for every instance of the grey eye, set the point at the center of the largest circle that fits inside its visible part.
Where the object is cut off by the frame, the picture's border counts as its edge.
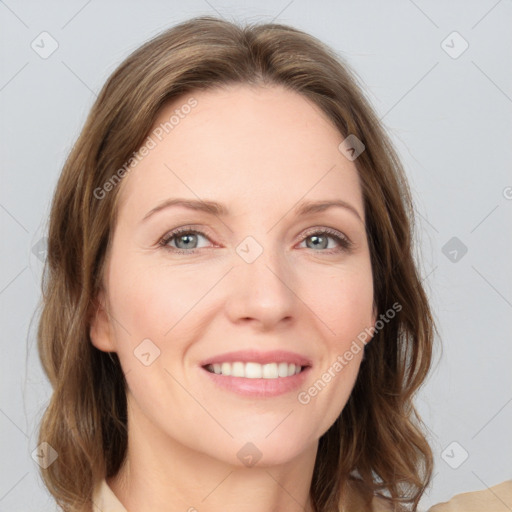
(186, 241)
(317, 242)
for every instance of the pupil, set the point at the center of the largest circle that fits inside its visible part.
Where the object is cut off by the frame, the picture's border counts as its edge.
(318, 241)
(187, 239)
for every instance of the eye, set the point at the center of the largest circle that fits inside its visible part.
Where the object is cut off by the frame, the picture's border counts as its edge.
(318, 240)
(185, 240)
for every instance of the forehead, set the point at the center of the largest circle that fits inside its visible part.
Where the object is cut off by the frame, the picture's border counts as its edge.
(242, 143)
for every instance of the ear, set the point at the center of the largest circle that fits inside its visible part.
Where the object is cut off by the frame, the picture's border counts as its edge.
(100, 331)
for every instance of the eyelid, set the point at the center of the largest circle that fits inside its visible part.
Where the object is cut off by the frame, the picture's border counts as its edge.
(324, 229)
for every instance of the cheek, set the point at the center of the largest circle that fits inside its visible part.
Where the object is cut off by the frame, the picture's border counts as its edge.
(151, 300)
(343, 303)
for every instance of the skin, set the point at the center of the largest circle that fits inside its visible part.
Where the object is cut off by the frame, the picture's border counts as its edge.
(260, 151)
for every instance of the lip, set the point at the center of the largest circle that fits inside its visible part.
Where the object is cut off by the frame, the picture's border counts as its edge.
(255, 356)
(265, 388)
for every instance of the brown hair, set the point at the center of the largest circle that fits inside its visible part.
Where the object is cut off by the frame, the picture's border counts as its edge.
(378, 439)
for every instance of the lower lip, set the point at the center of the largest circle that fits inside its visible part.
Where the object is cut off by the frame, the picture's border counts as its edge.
(265, 388)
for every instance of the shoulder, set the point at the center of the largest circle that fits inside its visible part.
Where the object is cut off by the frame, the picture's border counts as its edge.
(493, 499)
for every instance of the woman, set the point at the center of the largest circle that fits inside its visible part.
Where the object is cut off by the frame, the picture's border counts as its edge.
(233, 317)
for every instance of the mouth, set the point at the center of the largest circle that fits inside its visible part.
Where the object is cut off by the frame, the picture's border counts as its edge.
(253, 370)
(257, 374)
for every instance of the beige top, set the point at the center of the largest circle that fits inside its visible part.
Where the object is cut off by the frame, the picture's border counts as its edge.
(493, 499)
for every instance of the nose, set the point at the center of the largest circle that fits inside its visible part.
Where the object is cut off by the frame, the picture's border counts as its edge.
(262, 292)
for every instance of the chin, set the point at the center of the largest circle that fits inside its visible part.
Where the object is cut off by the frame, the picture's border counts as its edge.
(276, 449)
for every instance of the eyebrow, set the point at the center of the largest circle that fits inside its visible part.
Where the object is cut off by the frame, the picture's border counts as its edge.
(217, 209)
(210, 207)
(309, 207)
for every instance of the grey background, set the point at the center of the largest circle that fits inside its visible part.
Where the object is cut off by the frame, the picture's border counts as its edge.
(449, 117)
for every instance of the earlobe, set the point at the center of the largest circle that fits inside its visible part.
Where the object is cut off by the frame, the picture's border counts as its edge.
(99, 328)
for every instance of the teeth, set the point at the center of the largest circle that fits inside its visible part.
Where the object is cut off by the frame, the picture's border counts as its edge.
(252, 370)
(255, 370)
(282, 369)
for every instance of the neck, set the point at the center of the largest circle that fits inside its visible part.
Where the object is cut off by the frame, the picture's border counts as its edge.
(162, 474)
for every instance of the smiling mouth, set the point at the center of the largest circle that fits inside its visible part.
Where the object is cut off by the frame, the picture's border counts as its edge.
(253, 370)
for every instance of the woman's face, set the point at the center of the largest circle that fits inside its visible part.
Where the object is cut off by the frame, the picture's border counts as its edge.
(251, 279)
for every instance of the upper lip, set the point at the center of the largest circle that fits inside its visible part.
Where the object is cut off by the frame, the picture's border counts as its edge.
(255, 356)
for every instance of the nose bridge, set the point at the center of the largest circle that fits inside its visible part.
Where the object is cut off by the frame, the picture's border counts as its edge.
(262, 283)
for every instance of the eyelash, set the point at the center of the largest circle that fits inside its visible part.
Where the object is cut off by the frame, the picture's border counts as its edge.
(345, 245)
